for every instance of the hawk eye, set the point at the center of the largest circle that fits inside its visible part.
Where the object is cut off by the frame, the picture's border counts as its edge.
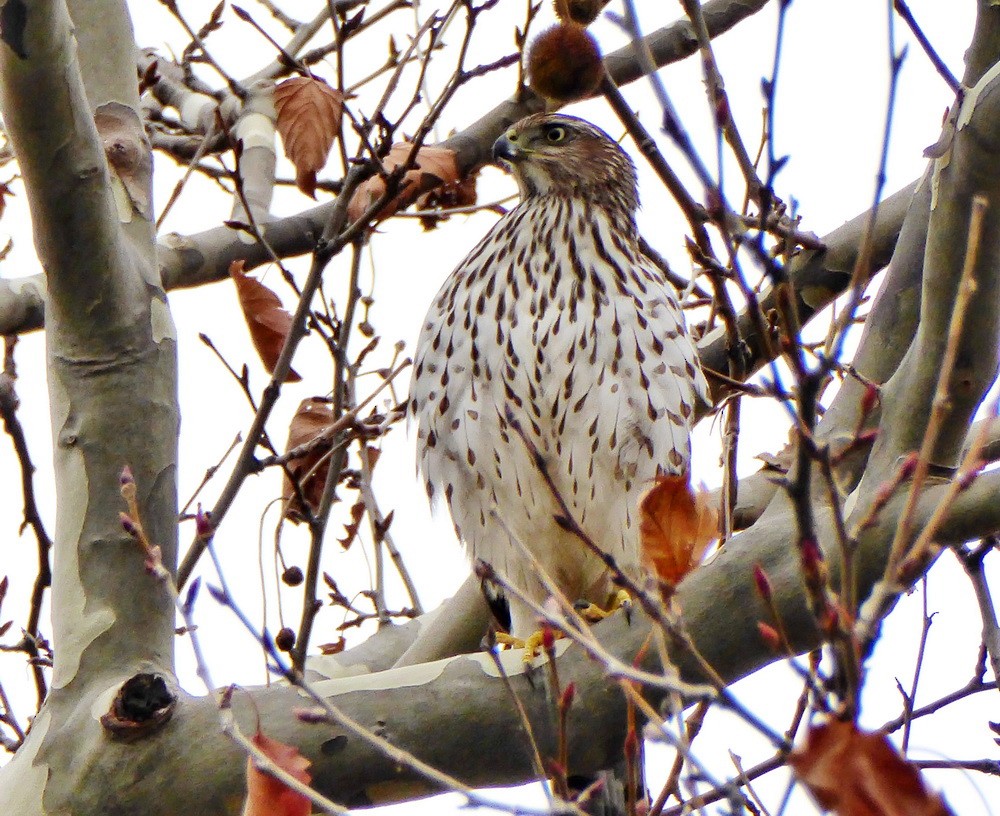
(555, 134)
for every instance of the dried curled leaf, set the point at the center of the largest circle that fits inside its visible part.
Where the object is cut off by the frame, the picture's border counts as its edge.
(676, 525)
(309, 113)
(352, 527)
(435, 167)
(858, 773)
(266, 318)
(312, 418)
(449, 196)
(267, 796)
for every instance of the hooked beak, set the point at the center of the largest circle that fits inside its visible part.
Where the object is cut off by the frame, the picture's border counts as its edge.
(505, 150)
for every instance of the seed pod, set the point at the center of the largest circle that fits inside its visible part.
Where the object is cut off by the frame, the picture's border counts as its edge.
(564, 63)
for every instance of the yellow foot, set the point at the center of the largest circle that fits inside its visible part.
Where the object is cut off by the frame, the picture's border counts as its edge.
(592, 612)
(532, 645)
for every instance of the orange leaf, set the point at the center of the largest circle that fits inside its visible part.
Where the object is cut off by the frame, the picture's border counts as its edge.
(266, 318)
(676, 525)
(267, 796)
(312, 418)
(309, 114)
(434, 167)
(856, 773)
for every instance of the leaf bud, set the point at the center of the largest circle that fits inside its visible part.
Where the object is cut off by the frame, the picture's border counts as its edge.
(762, 582)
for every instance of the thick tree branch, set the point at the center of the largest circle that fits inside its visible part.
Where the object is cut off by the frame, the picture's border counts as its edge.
(203, 258)
(410, 706)
(62, 160)
(818, 278)
(112, 369)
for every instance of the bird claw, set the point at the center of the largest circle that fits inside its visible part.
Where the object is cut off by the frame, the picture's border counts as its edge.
(592, 613)
(509, 641)
(532, 645)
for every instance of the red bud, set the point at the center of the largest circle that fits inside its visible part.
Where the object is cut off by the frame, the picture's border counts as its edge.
(631, 744)
(812, 555)
(203, 522)
(127, 524)
(567, 697)
(762, 581)
(769, 635)
(829, 619)
(867, 437)
(548, 637)
(869, 399)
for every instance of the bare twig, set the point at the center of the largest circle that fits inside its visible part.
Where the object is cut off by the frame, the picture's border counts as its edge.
(32, 517)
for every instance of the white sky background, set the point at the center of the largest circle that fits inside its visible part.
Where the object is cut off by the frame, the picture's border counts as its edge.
(830, 114)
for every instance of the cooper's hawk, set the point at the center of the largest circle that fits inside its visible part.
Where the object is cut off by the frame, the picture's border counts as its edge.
(558, 318)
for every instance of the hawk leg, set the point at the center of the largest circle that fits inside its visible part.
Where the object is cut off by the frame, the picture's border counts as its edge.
(592, 613)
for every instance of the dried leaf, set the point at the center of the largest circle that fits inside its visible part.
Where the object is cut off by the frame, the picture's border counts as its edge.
(5, 192)
(857, 773)
(267, 796)
(351, 528)
(382, 527)
(373, 455)
(337, 598)
(434, 167)
(313, 416)
(266, 318)
(676, 525)
(336, 647)
(309, 113)
(447, 197)
(149, 77)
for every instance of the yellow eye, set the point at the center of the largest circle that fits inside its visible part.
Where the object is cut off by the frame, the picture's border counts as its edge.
(555, 134)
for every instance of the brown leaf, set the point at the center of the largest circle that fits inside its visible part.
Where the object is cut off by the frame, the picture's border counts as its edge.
(351, 528)
(336, 647)
(267, 796)
(266, 318)
(434, 167)
(857, 773)
(309, 113)
(446, 197)
(5, 192)
(313, 416)
(373, 455)
(676, 525)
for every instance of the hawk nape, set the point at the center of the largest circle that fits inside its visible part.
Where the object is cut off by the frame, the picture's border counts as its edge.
(557, 321)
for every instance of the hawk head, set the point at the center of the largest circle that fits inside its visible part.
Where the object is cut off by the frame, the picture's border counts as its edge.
(557, 155)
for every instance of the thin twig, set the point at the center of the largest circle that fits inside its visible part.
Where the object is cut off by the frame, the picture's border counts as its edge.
(32, 516)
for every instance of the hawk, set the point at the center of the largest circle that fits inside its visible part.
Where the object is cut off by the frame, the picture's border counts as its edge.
(558, 321)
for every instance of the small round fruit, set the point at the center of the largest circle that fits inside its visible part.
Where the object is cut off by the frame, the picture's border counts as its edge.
(564, 63)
